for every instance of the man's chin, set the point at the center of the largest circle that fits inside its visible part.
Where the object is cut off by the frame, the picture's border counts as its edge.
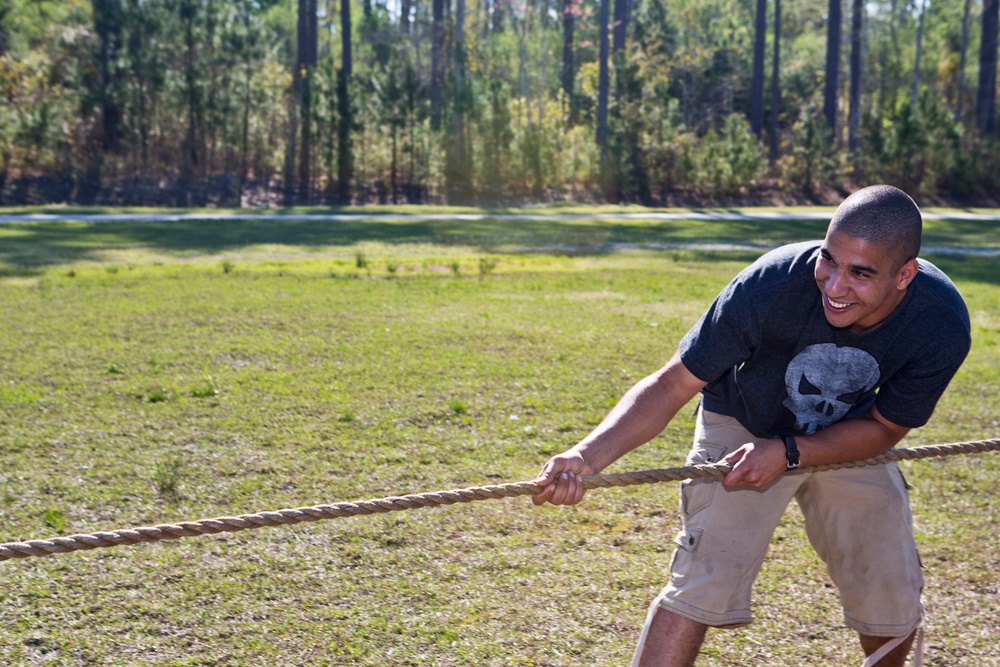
(838, 321)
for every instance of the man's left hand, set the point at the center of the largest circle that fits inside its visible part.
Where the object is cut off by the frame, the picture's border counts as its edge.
(756, 465)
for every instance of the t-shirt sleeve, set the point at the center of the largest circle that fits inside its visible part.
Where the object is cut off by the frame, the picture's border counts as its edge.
(725, 336)
(908, 398)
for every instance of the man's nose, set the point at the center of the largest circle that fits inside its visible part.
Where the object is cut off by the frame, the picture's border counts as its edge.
(835, 283)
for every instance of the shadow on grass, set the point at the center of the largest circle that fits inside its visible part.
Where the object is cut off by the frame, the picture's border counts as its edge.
(34, 246)
(31, 248)
(969, 268)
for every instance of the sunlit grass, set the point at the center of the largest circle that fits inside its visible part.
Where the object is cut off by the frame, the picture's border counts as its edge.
(170, 389)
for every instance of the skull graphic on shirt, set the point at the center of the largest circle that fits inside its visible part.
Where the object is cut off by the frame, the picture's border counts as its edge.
(824, 381)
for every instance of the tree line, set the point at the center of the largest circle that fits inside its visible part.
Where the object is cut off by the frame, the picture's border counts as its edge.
(486, 101)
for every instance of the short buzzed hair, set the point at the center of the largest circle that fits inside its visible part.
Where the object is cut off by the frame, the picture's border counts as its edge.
(882, 215)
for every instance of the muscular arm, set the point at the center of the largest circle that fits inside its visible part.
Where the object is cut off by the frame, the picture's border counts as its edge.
(639, 416)
(758, 464)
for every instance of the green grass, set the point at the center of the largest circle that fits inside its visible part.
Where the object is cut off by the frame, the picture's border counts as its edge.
(176, 389)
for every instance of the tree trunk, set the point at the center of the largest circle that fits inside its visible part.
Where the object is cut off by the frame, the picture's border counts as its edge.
(137, 45)
(107, 24)
(568, 74)
(457, 167)
(961, 64)
(854, 114)
(245, 19)
(621, 23)
(189, 160)
(916, 60)
(437, 62)
(834, 19)
(602, 96)
(345, 160)
(757, 82)
(306, 66)
(775, 81)
(404, 16)
(244, 137)
(986, 110)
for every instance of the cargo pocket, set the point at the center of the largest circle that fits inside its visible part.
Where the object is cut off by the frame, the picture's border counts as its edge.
(682, 563)
(703, 453)
(689, 539)
(696, 494)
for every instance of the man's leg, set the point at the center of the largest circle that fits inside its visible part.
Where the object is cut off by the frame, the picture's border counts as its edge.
(719, 551)
(896, 657)
(860, 524)
(670, 641)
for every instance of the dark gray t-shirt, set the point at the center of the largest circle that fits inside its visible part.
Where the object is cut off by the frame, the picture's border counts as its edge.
(774, 363)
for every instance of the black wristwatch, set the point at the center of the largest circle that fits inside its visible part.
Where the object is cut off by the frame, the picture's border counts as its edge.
(791, 451)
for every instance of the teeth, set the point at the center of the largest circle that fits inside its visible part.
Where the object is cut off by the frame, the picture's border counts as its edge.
(837, 305)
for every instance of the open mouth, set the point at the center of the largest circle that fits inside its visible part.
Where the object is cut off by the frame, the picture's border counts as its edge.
(836, 306)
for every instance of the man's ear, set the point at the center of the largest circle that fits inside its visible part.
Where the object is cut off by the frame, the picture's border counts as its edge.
(906, 274)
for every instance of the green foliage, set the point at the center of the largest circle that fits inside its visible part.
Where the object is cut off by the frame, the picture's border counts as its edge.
(728, 161)
(920, 148)
(812, 159)
(486, 266)
(198, 94)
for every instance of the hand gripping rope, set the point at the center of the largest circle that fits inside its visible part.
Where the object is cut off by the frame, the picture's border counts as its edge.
(231, 524)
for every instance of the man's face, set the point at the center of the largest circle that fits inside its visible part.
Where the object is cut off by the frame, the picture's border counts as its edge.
(859, 282)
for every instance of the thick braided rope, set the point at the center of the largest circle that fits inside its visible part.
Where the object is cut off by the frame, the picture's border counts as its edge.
(231, 524)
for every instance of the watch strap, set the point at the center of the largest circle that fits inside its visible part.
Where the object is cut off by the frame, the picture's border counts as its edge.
(791, 451)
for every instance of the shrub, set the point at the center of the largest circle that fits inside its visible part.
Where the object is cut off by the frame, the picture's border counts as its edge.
(486, 266)
(728, 160)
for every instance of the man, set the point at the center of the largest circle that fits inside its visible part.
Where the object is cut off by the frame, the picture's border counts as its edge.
(818, 353)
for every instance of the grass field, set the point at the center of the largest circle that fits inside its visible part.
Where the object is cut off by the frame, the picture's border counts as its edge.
(167, 372)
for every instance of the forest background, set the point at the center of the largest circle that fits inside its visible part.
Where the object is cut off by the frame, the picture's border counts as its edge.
(658, 102)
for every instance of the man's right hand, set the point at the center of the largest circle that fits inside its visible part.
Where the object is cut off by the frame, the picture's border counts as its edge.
(562, 478)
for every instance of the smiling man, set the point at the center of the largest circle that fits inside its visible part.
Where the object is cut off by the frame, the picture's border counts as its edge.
(818, 353)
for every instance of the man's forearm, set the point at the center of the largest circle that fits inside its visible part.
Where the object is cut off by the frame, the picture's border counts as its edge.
(850, 440)
(641, 414)
(758, 464)
(637, 418)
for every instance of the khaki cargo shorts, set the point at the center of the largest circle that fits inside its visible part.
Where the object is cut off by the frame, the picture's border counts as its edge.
(857, 519)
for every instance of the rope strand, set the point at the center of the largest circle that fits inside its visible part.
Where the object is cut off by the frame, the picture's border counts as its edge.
(285, 517)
